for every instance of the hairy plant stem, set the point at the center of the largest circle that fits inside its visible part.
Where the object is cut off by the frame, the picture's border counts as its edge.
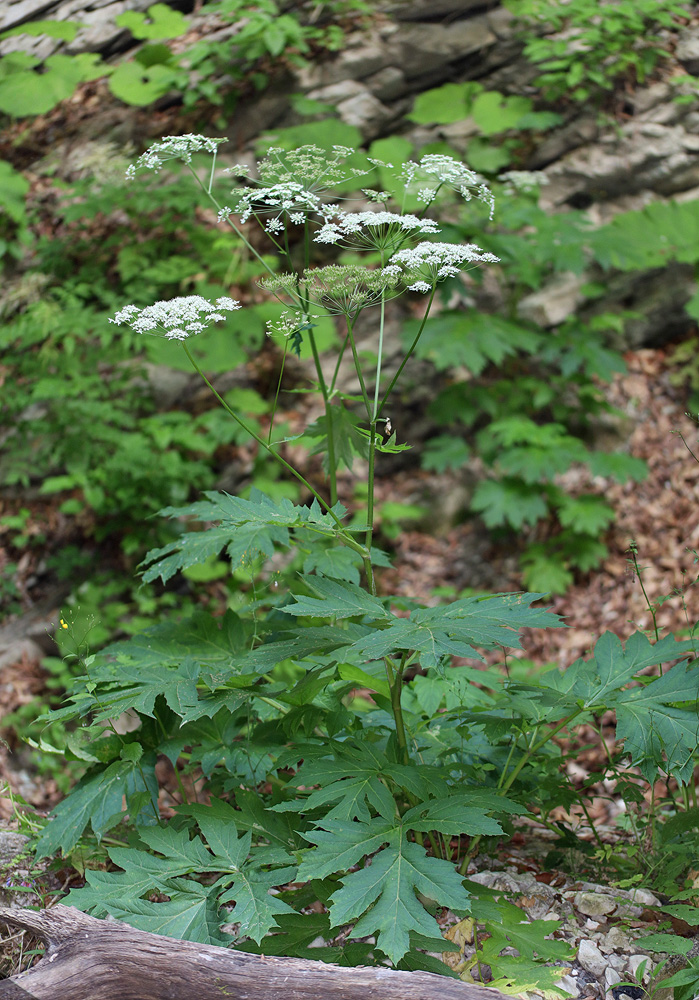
(327, 403)
(214, 201)
(505, 785)
(379, 359)
(342, 531)
(633, 549)
(409, 354)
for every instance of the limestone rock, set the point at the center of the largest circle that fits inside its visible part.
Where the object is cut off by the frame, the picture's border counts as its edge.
(11, 844)
(422, 48)
(591, 958)
(388, 84)
(555, 302)
(414, 10)
(611, 977)
(636, 961)
(615, 939)
(333, 93)
(645, 156)
(594, 904)
(687, 50)
(367, 113)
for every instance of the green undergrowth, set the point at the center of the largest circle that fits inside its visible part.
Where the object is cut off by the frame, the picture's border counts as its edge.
(583, 47)
(311, 757)
(208, 71)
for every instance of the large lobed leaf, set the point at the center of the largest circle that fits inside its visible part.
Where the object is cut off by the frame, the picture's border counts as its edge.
(383, 895)
(245, 530)
(193, 911)
(451, 630)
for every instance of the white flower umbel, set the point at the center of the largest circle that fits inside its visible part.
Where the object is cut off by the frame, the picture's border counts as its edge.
(427, 263)
(436, 170)
(176, 319)
(374, 230)
(527, 181)
(173, 147)
(290, 323)
(288, 198)
(291, 183)
(312, 167)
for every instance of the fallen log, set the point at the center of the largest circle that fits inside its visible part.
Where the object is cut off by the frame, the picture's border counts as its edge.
(90, 959)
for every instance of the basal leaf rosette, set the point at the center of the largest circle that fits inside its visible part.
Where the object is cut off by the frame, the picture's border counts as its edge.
(176, 319)
(421, 267)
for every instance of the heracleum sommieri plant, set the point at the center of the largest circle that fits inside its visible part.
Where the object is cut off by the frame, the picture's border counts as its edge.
(357, 799)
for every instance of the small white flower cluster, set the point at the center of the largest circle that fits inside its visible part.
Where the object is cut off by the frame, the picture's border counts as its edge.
(177, 318)
(289, 323)
(309, 165)
(432, 262)
(523, 180)
(383, 228)
(173, 147)
(380, 196)
(435, 170)
(289, 197)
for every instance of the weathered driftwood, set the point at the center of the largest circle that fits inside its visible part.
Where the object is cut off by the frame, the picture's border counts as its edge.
(89, 959)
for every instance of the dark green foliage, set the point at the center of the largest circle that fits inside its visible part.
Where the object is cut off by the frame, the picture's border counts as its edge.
(585, 48)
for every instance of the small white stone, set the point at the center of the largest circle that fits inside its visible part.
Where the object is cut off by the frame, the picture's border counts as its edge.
(617, 940)
(591, 958)
(594, 904)
(611, 977)
(568, 983)
(635, 962)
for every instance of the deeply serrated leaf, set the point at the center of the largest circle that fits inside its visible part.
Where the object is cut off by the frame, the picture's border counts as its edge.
(247, 529)
(191, 913)
(383, 896)
(98, 800)
(342, 845)
(256, 908)
(659, 728)
(337, 599)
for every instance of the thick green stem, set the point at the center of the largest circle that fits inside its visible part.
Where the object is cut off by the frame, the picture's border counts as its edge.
(504, 786)
(380, 355)
(408, 355)
(358, 367)
(327, 403)
(346, 537)
(396, 688)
